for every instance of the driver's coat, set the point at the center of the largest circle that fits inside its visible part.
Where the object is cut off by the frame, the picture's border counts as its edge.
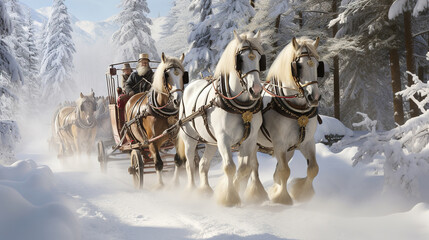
(233, 123)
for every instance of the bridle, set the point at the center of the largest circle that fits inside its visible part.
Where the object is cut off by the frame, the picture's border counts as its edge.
(295, 74)
(295, 65)
(79, 121)
(168, 88)
(240, 75)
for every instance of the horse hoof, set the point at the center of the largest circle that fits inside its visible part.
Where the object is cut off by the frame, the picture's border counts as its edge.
(302, 190)
(206, 191)
(280, 195)
(255, 194)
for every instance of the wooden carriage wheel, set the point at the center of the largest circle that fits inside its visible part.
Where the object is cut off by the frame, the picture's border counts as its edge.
(102, 159)
(137, 168)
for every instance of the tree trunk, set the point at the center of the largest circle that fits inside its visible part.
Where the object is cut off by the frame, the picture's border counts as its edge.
(336, 68)
(414, 111)
(300, 20)
(421, 74)
(276, 31)
(396, 86)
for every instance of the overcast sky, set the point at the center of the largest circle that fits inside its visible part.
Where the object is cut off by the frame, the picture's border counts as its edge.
(98, 10)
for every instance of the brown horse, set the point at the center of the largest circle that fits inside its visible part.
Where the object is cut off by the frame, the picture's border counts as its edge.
(156, 110)
(75, 126)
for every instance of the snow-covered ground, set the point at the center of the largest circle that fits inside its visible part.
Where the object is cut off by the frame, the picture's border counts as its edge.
(44, 198)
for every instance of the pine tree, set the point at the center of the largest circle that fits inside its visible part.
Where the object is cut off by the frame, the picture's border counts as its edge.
(134, 36)
(200, 56)
(405, 7)
(32, 86)
(365, 83)
(18, 36)
(10, 79)
(57, 62)
(177, 28)
(267, 20)
(230, 15)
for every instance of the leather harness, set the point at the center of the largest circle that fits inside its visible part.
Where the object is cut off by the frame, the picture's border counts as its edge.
(288, 109)
(246, 109)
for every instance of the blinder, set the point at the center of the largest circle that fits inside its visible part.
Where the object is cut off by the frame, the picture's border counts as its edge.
(166, 76)
(239, 62)
(296, 67)
(321, 69)
(185, 78)
(263, 63)
(94, 106)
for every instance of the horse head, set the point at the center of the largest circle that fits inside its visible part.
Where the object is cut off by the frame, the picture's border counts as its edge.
(170, 78)
(243, 59)
(306, 68)
(249, 61)
(86, 108)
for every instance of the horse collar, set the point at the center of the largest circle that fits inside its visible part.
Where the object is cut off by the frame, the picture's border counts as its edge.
(156, 110)
(234, 105)
(82, 124)
(290, 110)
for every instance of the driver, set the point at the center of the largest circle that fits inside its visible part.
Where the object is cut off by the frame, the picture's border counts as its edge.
(140, 80)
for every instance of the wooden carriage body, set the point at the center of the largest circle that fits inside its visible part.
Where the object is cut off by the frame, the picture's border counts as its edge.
(141, 161)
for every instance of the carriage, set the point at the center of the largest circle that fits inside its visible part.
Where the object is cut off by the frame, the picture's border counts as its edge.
(124, 142)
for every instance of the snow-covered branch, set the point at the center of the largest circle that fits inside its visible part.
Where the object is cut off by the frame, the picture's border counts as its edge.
(405, 149)
(419, 88)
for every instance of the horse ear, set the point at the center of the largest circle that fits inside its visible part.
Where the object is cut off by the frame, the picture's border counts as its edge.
(236, 36)
(163, 57)
(182, 57)
(316, 42)
(93, 93)
(294, 43)
(81, 95)
(258, 35)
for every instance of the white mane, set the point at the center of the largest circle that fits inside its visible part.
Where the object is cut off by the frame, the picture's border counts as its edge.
(281, 69)
(226, 62)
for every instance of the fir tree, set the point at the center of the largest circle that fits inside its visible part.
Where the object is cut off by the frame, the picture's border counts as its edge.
(177, 28)
(268, 19)
(134, 36)
(10, 80)
(32, 86)
(230, 15)
(18, 36)
(57, 62)
(200, 56)
(363, 82)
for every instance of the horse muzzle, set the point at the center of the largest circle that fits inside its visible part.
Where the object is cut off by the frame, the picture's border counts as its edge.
(255, 92)
(311, 102)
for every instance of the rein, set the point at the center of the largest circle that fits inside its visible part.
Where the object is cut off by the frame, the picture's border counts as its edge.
(225, 97)
(298, 95)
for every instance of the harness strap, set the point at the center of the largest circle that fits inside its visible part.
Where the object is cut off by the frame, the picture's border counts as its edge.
(135, 119)
(265, 132)
(204, 116)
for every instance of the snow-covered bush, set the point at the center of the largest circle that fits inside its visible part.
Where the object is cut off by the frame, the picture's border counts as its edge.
(406, 147)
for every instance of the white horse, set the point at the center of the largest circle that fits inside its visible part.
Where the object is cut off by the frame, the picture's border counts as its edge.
(290, 112)
(232, 118)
